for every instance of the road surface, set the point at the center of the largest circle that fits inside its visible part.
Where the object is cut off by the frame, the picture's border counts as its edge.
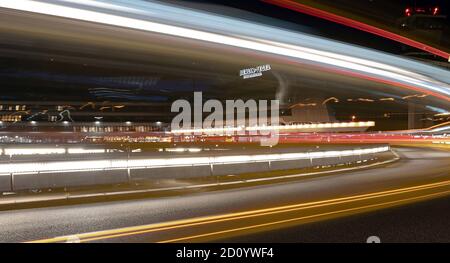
(222, 212)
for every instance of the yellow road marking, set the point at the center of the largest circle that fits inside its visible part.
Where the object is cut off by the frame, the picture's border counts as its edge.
(233, 216)
(303, 218)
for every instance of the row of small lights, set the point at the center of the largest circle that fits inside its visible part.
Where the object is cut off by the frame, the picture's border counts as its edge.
(287, 127)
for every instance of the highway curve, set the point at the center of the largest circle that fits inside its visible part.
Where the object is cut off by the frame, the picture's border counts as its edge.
(422, 173)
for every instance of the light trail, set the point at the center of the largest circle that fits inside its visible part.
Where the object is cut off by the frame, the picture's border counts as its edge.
(388, 198)
(297, 219)
(113, 164)
(391, 70)
(230, 130)
(301, 8)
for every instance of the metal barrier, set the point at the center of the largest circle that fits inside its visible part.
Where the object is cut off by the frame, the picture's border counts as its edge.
(58, 174)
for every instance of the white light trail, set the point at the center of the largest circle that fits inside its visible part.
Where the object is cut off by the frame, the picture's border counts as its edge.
(41, 151)
(33, 151)
(383, 70)
(114, 164)
(81, 150)
(445, 128)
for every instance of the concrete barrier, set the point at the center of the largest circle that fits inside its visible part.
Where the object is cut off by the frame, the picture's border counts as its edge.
(170, 172)
(67, 179)
(240, 168)
(59, 174)
(349, 159)
(289, 165)
(5, 182)
(325, 161)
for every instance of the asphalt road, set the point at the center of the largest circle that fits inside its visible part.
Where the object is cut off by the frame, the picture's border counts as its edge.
(422, 222)
(417, 167)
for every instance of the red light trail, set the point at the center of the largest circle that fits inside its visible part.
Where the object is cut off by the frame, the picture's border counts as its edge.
(297, 7)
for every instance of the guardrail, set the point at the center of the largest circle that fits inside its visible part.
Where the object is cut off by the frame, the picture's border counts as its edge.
(58, 174)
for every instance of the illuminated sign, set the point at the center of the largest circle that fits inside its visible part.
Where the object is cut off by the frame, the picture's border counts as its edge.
(254, 72)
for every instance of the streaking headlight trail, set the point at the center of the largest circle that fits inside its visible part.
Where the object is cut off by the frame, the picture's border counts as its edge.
(403, 72)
